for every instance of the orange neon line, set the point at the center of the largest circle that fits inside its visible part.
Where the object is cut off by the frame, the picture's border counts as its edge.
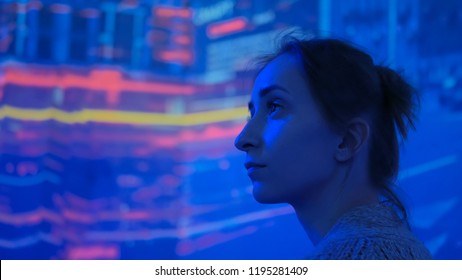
(182, 40)
(210, 133)
(92, 252)
(93, 216)
(178, 55)
(227, 27)
(172, 12)
(172, 26)
(105, 80)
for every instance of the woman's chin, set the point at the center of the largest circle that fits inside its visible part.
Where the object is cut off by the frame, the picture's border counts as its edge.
(262, 195)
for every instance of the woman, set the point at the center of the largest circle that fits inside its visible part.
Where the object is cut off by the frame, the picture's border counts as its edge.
(322, 137)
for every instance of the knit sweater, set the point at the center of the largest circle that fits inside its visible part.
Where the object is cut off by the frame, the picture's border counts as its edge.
(370, 232)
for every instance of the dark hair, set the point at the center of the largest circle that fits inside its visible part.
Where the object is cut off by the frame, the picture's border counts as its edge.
(345, 82)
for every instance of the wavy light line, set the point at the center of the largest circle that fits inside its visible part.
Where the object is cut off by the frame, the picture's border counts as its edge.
(44, 176)
(427, 216)
(238, 220)
(29, 241)
(110, 80)
(201, 151)
(210, 133)
(187, 247)
(144, 234)
(91, 252)
(121, 117)
(188, 231)
(89, 217)
(427, 166)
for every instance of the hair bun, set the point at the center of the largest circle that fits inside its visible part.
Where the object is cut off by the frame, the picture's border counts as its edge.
(400, 99)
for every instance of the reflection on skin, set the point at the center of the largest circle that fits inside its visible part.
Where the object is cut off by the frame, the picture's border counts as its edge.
(295, 156)
(286, 137)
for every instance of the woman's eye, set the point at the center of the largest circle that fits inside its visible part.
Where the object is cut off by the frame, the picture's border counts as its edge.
(273, 107)
(249, 116)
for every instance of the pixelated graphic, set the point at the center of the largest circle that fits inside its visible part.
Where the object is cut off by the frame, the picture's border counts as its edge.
(118, 117)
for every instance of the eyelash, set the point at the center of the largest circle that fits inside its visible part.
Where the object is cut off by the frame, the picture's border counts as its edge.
(272, 106)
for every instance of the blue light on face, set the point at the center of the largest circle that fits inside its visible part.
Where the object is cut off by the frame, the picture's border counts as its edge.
(95, 165)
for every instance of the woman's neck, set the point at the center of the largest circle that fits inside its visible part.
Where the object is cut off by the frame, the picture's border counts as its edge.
(319, 212)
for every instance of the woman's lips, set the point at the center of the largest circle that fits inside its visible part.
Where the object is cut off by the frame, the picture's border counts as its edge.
(253, 167)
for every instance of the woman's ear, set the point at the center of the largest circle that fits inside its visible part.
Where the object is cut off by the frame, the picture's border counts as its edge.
(353, 140)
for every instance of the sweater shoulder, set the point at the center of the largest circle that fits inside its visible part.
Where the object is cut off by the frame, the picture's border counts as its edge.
(372, 248)
(371, 232)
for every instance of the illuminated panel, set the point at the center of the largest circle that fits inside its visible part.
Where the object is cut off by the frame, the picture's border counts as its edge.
(173, 35)
(87, 172)
(9, 14)
(84, 35)
(101, 206)
(227, 27)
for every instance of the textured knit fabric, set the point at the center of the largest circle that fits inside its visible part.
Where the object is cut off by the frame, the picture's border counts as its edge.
(370, 232)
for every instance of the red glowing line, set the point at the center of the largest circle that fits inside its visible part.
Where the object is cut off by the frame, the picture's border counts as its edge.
(223, 28)
(110, 81)
(66, 215)
(176, 55)
(182, 40)
(172, 26)
(93, 252)
(211, 239)
(172, 12)
(211, 133)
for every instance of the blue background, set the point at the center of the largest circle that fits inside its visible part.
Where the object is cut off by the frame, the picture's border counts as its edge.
(117, 122)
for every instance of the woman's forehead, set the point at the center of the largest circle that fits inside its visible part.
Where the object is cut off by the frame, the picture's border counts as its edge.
(285, 70)
(284, 67)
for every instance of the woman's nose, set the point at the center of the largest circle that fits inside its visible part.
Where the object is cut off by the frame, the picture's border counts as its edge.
(247, 139)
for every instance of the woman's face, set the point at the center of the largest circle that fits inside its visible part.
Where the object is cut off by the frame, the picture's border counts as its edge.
(289, 144)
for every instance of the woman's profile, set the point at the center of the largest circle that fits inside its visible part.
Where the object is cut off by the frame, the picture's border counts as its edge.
(323, 136)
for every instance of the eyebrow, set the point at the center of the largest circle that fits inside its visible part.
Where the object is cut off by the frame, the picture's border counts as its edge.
(265, 90)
